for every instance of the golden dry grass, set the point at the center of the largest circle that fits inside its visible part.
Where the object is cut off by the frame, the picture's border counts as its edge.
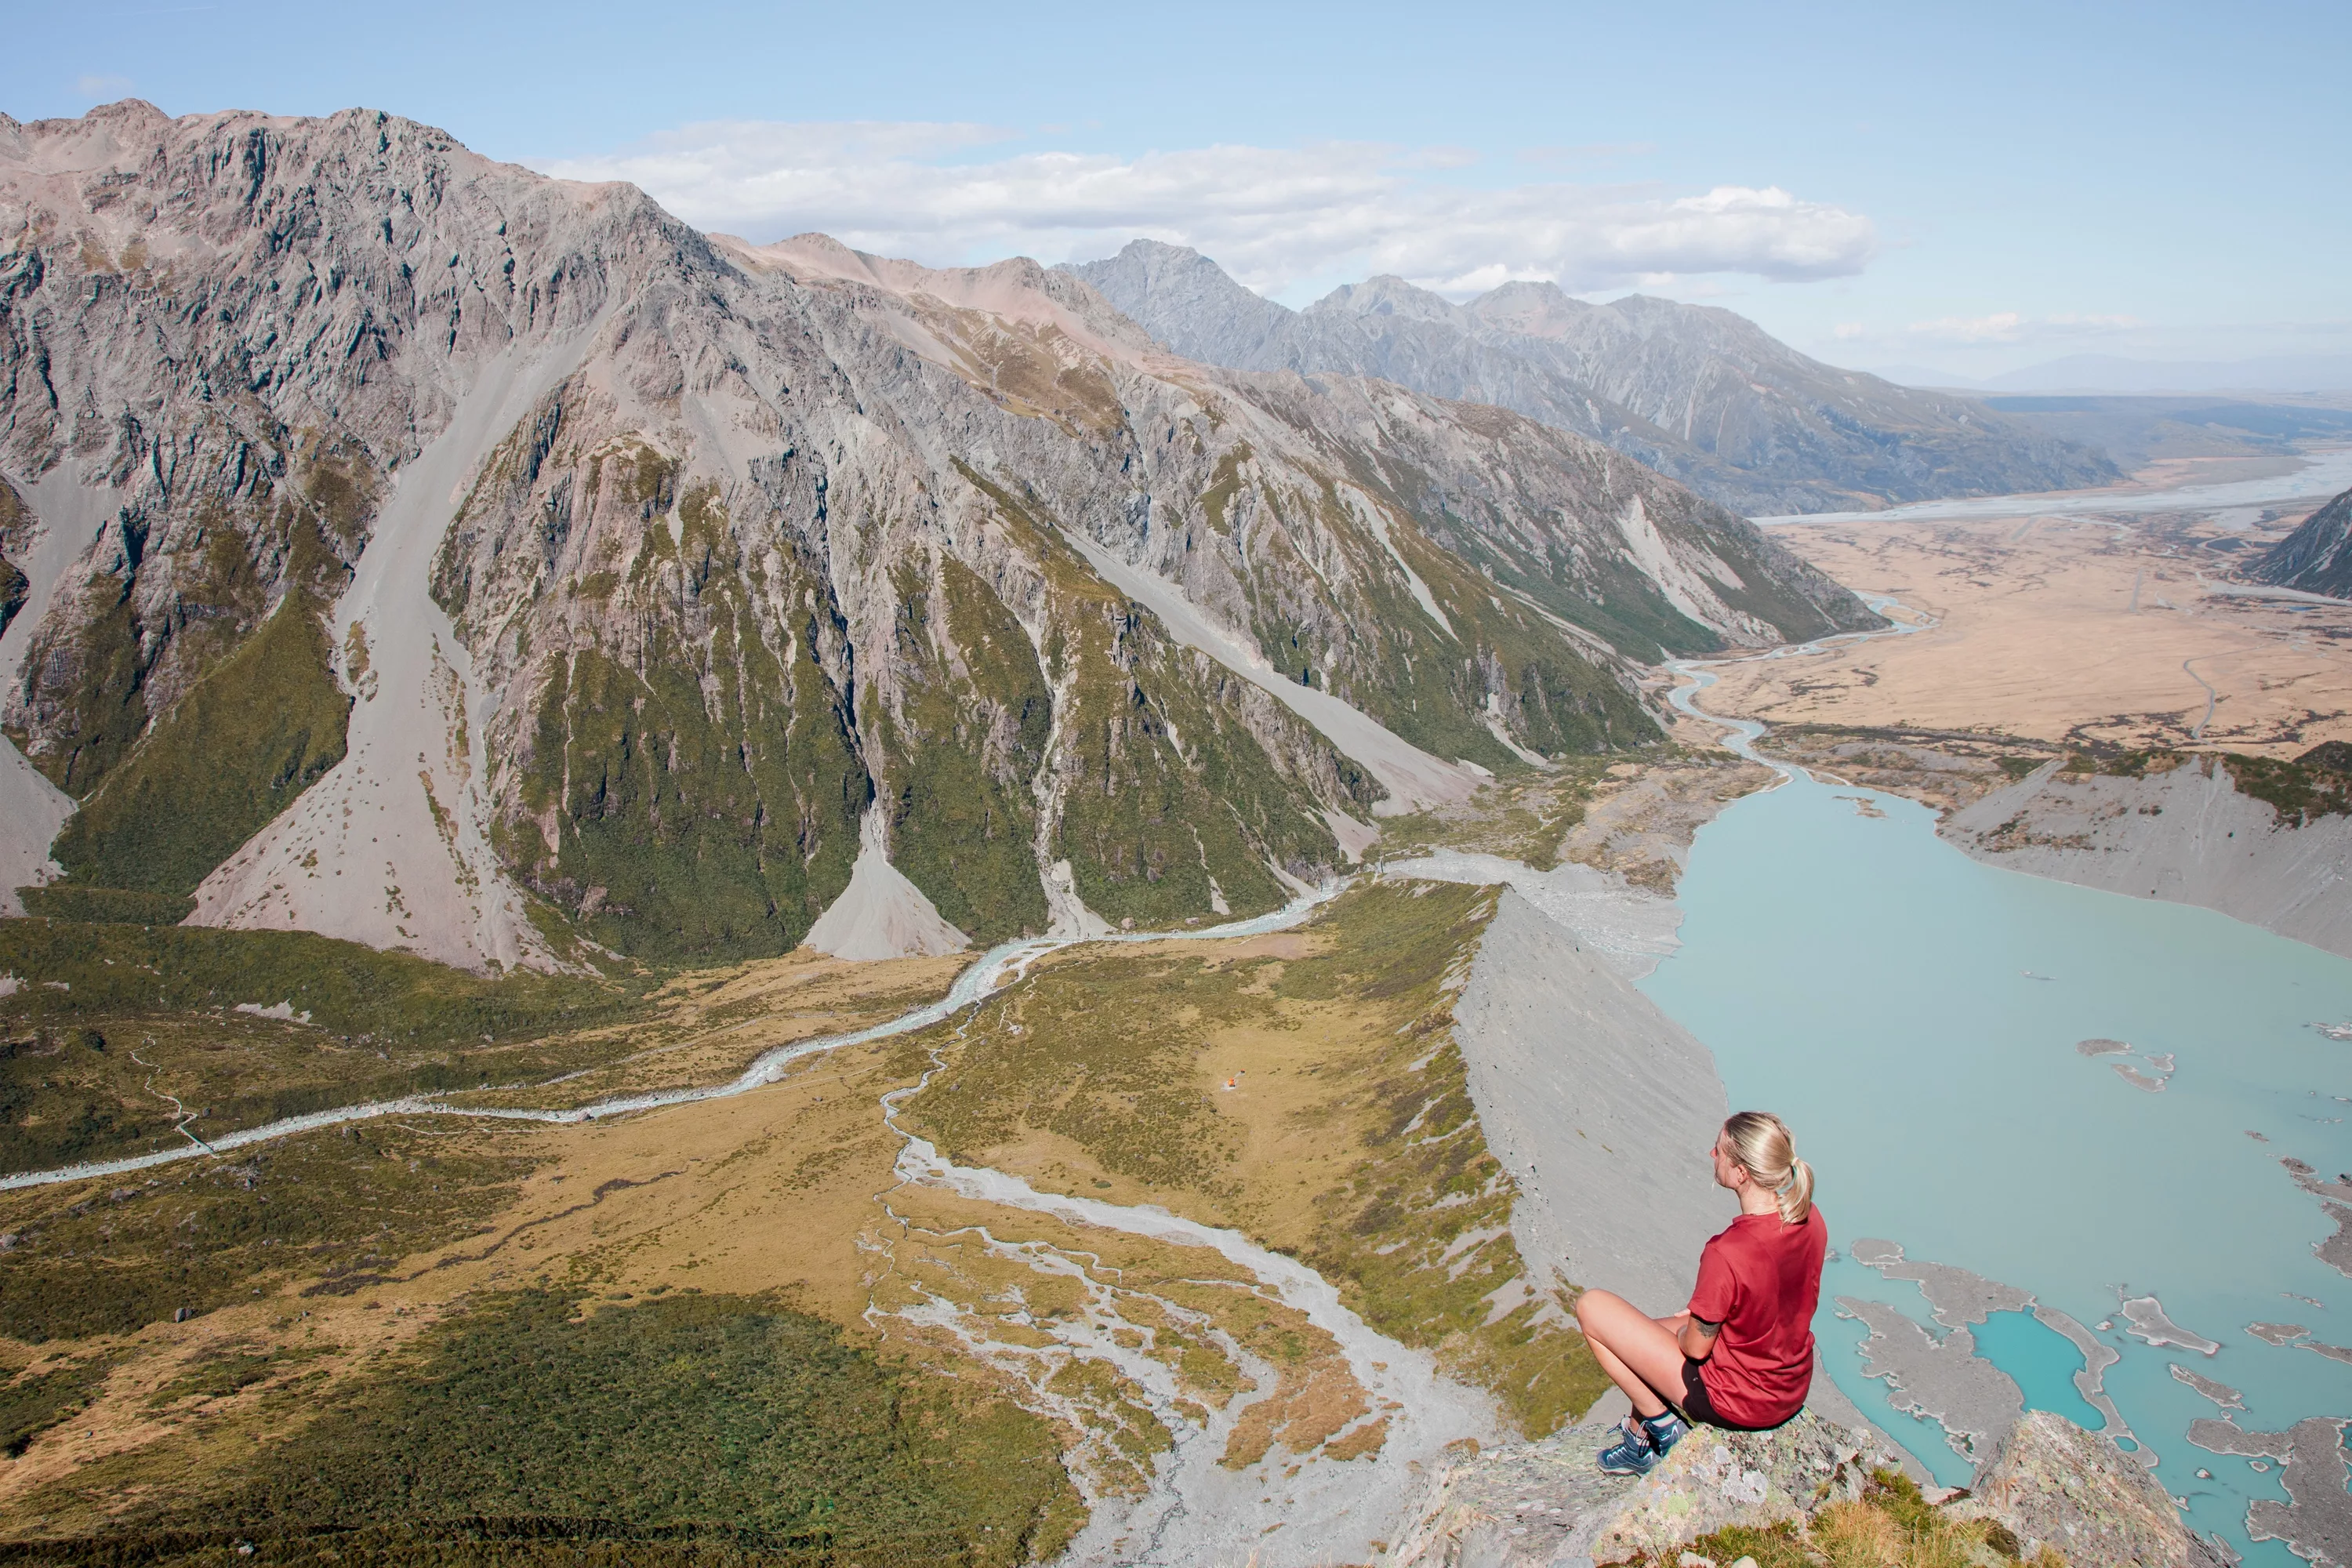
(790, 1194)
(2065, 631)
(714, 1022)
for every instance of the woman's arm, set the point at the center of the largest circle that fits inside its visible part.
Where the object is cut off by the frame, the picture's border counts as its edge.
(1695, 1337)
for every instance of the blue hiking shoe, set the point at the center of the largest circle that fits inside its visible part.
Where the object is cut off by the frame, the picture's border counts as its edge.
(1641, 1443)
(1631, 1454)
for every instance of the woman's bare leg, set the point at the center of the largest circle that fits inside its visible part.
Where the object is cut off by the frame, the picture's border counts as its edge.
(1640, 1353)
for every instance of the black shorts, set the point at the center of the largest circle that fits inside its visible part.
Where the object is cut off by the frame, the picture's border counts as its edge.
(1699, 1411)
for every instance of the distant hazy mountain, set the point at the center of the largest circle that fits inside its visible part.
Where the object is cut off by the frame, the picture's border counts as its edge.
(2317, 557)
(2113, 373)
(1700, 394)
(1923, 375)
(2136, 430)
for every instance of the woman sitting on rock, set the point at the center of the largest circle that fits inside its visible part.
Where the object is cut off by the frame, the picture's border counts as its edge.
(1741, 1354)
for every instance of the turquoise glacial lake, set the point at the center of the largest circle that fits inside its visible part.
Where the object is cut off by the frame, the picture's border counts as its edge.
(1914, 1015)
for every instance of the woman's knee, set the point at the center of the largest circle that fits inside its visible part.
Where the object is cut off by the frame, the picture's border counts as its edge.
(1597, 1308)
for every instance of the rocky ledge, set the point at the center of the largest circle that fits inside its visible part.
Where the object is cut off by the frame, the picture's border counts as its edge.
(1548, 1503)
(2053, 1487)
(2054, 1484)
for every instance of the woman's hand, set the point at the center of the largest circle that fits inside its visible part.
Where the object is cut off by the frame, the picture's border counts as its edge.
(1695, 1340)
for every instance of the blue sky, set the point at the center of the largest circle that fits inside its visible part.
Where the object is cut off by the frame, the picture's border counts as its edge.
(1976, 186)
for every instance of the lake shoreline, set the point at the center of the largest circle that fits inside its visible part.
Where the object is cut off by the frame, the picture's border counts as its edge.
(1811, 927)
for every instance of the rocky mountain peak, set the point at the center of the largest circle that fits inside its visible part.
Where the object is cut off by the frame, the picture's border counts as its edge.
(1212, 317)
(1713, 329)
(1387, 295)
(1530, 309)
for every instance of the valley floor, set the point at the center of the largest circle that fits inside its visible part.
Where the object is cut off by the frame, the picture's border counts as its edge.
(2069, 630)
(1214, 1244)
(2093, 699)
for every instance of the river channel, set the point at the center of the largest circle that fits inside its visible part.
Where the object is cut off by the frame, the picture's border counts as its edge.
(2325, 473)
(1917, 1017)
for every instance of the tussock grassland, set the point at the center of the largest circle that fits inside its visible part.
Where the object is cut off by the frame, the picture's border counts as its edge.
(2015, 598)
(434, 1341)
(779, 1207)
(330, 1209)
(1347, 1136)
(634, 1304)
(112, 1023)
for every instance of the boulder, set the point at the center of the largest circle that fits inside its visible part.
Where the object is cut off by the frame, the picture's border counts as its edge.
(2051, 1483)
(1548, 1503)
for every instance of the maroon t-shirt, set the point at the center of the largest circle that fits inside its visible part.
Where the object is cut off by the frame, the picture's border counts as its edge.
(1760, 1278)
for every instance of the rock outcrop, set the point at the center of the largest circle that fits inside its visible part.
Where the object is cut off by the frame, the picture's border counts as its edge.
(2055, 1485)
(617, 571)
(2317, 557)
(1695, 391)
(2267, 843)
(1547, 1503)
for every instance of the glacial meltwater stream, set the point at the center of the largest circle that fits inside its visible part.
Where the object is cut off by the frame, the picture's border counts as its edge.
(1919, 1018)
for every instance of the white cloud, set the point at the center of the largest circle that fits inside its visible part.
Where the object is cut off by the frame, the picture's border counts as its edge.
(103, 87)
(2001, 328)
(2012, 327)
(1269, 215)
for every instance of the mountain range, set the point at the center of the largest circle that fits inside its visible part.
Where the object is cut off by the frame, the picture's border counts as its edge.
(413, 548)
(1699, 393)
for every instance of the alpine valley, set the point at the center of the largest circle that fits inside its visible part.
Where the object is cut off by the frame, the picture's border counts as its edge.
(720, 905)
(418, 550)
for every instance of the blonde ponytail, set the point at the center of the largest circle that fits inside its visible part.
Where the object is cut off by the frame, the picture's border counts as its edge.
(1764, 1147)
(1797, 1197)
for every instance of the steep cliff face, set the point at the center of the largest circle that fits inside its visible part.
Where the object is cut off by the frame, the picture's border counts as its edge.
(1701, 393)
(424, 552)
(2317, 557)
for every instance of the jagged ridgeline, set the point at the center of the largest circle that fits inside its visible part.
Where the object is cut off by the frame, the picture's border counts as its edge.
(409, 548)
(1691, 390)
